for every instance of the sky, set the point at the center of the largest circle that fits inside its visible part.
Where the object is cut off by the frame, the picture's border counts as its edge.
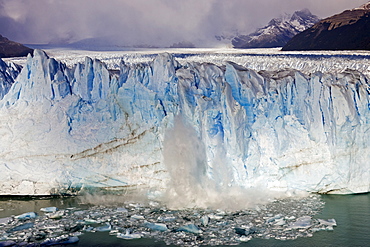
(147, 22)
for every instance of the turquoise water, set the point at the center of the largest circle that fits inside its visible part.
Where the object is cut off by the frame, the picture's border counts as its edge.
(352, 213)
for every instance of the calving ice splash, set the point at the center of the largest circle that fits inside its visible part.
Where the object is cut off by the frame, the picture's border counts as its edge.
(190, 131)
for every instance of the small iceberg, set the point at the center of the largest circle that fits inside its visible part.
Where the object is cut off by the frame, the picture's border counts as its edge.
(57, 215)
(21, 227)
(6, 220)
(76, 228)
(128, 235)
(247, 231)
(26, 216)
(122, 210)
(63, 240)
(204, 220)
(137, 217)
(88, 221)
(105, 228)
(329, 222)
(49, 209)
(166, 219)
(190, 228)
(302, 222)
(156, 226)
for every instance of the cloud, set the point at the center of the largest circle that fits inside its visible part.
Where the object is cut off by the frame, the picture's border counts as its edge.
(154, 22)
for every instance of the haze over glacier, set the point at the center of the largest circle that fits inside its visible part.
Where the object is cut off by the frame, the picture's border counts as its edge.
(209, 127)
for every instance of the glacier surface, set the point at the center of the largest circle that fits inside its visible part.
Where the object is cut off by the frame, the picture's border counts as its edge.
(183, 129)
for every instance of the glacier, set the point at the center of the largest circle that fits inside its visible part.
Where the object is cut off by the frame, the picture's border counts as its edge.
(184, 129)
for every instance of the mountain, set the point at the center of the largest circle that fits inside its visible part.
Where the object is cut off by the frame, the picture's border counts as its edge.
(183, 44)
(349, 30)
(192, 130)
(278, 32)
(10, 48)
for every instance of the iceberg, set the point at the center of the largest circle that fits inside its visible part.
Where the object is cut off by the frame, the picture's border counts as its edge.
(189, 228)
(156, 226)
(25, 216)
(129, 236)
(22, 227)
(183, 130)
(49, 209)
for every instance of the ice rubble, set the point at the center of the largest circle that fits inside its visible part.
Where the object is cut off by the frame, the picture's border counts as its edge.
(286, 219)
(196, 125)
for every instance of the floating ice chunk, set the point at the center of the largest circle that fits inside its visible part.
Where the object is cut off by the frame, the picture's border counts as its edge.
(167, 219)
(329, 222)
(156, 226)
(63, 240)
(75, 228)
(113, 232)
(204, 220)
(241, 231)
(22, 227)
(137, 217)
(89, 229)
(6, 220)
(153, 204)
(272, 219)
(39, 236)
(128, 235)
(135, 205)
(279, 222)
(290, 217)
(302, 222)
(245, 238)
(105, 228)
(81, 212)
(247, 231)
(49, 209)
(215, 217)
(122, 210)
(57, 215)
(25, 216)
(190, 228)
(91, 221)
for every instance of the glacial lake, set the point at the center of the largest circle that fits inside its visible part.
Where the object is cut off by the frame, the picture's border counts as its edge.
(351, 212)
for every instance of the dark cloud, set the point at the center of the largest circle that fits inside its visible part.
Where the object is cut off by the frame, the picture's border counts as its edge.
(153, 22)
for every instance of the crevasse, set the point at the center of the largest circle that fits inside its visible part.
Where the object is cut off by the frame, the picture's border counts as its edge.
(65, 130)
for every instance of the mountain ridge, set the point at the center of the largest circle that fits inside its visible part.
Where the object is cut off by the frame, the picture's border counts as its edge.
(278, 31)
(348, 30)
(10, 48)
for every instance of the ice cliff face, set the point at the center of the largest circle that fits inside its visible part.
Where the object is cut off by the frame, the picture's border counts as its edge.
(8, 73)
(162, 124)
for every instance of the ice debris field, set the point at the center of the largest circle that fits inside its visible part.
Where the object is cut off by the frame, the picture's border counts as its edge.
(285, 219)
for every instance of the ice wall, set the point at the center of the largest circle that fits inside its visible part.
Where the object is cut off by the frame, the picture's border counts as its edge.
(8, 73)
(155, 124)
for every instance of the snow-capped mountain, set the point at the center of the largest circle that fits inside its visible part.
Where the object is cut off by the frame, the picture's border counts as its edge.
(349, 30)
(278, 32)
(190, 130)
(365, 6)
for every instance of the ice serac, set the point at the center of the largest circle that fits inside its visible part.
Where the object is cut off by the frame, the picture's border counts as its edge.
(8, 73)
(186, 126)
